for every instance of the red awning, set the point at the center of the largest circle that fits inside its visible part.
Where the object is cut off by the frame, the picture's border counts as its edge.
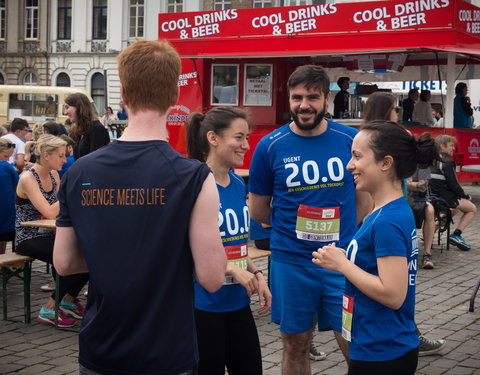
(347, 28)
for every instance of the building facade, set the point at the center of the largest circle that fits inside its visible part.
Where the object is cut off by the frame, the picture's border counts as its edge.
(75, 42)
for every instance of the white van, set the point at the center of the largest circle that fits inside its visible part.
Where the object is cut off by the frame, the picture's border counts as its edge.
(34, 103)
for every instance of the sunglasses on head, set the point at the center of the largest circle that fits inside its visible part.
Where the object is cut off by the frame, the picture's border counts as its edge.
(10, 145)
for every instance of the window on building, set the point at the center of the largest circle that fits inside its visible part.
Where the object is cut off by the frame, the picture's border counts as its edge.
(63, 80)
(64, 24)
(99, 20)
(2, 80)
(136, 18)
(262, 4)
(288, 3)
(175, 6)
(222, 4)
(31, 19)
(98, 91)
(3, 20)
(224, 84)
(30, 79)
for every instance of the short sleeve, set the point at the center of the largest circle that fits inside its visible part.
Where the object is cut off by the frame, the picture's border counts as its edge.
(260, 179)
(389, 238)
(63, 218)
(20, 148)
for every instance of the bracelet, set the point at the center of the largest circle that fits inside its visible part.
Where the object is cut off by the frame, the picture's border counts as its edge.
(257, 271)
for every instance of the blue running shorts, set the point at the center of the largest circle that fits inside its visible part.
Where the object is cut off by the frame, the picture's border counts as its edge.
(299, 293)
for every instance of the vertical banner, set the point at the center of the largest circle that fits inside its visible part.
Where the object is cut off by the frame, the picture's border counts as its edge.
(189, 101)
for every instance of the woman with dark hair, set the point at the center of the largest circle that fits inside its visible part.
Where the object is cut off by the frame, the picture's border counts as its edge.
(380, 106)
(462, 109)
(380, 263)
(226, 331)
(88, 133)
(422, 112)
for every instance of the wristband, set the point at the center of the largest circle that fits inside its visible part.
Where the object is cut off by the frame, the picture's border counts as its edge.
(257, 271)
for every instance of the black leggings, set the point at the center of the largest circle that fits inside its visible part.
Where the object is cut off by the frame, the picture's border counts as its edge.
(405, 365)
(228, 339)
(41, 248)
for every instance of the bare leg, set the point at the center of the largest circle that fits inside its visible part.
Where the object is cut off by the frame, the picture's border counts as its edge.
(296, 347)
(428, 228)
(342, 344)
(469, 210)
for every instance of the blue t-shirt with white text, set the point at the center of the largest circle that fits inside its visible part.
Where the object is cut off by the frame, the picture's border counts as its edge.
(233, 222)
(378, 332)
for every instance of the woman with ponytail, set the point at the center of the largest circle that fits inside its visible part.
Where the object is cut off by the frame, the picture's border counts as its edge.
(380, 263)
(226, 331)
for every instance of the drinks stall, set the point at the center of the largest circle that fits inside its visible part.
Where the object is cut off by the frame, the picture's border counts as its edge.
(243, 58)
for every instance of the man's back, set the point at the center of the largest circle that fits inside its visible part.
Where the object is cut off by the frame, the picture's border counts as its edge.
(131, 217)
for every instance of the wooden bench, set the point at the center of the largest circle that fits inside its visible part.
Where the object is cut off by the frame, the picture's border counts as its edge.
(255, 253)
(13, 264)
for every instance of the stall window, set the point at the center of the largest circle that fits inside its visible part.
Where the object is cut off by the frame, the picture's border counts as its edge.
(31, 19)
(63, 80)
(136, 18)
(262, 3)
(224, 84)
(3, 19)
(258, 85)
(288, 3)
(222, 4)
(33, 107)
(64, 25)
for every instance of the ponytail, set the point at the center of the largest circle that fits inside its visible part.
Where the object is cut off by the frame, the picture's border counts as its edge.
(197, 146)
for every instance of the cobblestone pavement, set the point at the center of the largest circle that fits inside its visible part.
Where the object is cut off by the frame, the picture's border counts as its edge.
(443, 296)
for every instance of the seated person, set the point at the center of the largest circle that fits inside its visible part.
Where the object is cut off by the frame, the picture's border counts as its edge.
(423, 211)
(444, 183)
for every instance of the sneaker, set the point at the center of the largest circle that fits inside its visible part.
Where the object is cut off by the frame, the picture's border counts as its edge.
(73, 309)
(427, 262)
(459, 242)
(315, 355)
(48, 316)
(428, 346)
(47, 287)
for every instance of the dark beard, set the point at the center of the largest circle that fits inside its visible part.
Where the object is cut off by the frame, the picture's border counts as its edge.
(317, 120)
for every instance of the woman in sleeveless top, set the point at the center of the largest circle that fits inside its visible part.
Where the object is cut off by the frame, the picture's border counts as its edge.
(226, 331)
(36, 199)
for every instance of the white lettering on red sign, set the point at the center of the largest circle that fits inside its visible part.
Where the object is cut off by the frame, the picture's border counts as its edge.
(203, 25)
(296, 21)
(412, 13)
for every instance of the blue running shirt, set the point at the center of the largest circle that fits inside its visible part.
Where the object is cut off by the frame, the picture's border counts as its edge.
(378, 332)
(308, 171)
(233, 222)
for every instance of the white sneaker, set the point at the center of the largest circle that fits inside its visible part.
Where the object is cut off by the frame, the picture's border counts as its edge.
(47, 287)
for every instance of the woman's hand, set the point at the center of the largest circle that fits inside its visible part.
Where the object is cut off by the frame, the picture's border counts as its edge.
(264, 295)
(330, 257)
(243, 277)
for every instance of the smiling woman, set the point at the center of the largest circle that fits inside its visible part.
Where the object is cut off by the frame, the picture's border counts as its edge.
(380, 263)
(225, 325)
(36, 199)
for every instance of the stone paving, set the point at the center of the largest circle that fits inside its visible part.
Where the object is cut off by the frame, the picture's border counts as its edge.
(443, 296)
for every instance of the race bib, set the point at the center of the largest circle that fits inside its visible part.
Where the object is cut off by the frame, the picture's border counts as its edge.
(318, 224)
(238, 255)
(347, 317)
